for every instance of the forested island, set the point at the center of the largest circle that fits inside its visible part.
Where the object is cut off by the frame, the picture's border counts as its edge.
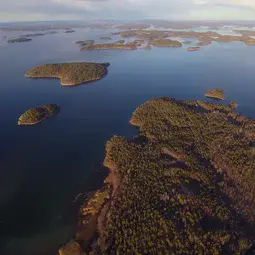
(38, 114)
(84, 43)
(110, 46)
(165, 43)
(70, 74)
(18, 40)
(195, 48)
(202, 36)
(184, 185)
(215, 94)
(105, 38)
(204, 43)
(68, 31)
(34, 35)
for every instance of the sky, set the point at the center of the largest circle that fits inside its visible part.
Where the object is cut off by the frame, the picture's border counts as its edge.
(40, 10)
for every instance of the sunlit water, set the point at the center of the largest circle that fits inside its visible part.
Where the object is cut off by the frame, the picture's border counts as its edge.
(44, 167)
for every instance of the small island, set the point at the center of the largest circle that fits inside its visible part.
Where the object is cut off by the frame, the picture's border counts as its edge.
(18, 40)
(33, 35)
(84, 43)
(106, 38)
(89, 41)
(187, 42)
(38, 114)
(70, 74)
(195, 48)
(166, 43)
(69, 31)
(204, 43)
(110, 46)
(152, 35)
(215, 94)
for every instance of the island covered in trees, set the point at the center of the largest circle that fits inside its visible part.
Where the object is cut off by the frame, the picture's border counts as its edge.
(105, 38)
(184, 185)
(165, 43)
(38, 114)
(147, 38)
(207, 37)
(195, 48)
(215, 94)
(70, 74)
(19, 39)
(110, 46)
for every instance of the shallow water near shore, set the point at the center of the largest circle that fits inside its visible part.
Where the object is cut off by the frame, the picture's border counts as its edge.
(44, 167)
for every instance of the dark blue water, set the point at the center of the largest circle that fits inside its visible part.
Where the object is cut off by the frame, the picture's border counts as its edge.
(44, 167)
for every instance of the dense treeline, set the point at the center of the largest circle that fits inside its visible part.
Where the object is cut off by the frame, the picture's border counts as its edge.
(38, 114)
(70, 73)
(109, 46)
(185, 185)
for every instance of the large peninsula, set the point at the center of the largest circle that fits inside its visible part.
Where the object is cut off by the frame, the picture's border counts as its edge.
(70, 74)
(38, 114)
(185, 185)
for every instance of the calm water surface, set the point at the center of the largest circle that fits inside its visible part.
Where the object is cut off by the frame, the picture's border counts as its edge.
(44, 167)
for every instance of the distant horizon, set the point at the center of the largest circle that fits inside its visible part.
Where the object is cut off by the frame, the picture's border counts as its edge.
(125, 21)
(37, 10)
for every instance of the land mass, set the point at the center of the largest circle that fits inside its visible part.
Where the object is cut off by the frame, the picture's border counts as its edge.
(120, 41)
(105, 38)
(204, 43)
(215, 94)
(84, 43)
(33, 35)
(70, 74)
(69, 31)
(18, 40)
(110, 46)
(202, 36)
(165, 43)
(195, 48)
(185, 185)
(38, 114)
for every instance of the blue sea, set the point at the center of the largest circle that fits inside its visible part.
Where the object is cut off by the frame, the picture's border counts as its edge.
(44, 167)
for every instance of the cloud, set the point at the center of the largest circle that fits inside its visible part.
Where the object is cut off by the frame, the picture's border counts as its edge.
(125, 9)
(247, 4)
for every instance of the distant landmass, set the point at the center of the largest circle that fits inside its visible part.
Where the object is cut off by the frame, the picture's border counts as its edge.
(105, 38)
(109, 46)
(165, 43)
(195, 48)
(18, 40)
